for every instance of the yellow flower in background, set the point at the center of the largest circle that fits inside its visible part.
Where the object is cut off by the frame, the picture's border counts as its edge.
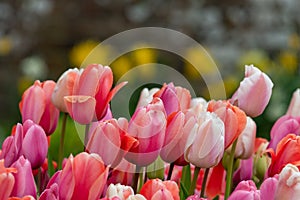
(231, 84)
(5, 45)
(256, 57)
(81, 52)
(294, 41)
(200, 59)
(289, 60)
(120, 67)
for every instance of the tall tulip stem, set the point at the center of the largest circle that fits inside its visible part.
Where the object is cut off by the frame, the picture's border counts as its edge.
(136, 178)
(204, 182)
(170, 171)
(230, 171)
(194, 181)
(62, 140)
(86, 135)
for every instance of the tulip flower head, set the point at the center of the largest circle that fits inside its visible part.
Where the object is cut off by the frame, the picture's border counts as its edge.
(7, 180)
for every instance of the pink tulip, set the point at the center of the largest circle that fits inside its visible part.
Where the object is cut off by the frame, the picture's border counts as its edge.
(91, 93)
(205, 148)
(245, 190)
(158, 189)
(246, 141)
(234, 119)
(288, 183)
(51, 193)
(283, 126)
(30, 141)
(82, 177)
(123, 173)
(174, 98)
(147, 125)
(256, 85)
(36, 105)
(7, 181)
(65, 87)
(110, 140)
(24, 181)
(268, 188)
(244, 172)
(27, 197)
(146, 96)
(294, 107)
(179, 127)
(195, 197)
(198, 105)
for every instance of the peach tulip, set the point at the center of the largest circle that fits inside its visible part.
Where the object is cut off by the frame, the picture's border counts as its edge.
(179, 127)
(7, 181)
(205, 147)
(64, 87)
(288, 183)
(157, 189)
(254, 92)
(234, 119)
(91, 94)
(110, 140)
(36, 105)
(287, 151)
(148, 126)
(294, 107)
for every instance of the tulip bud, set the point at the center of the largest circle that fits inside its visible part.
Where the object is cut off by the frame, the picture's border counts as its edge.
(268, 188)
(7, 180)
(245, 190)
(294, 107)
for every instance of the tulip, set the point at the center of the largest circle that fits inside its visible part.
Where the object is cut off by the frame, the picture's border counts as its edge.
(174, 98)
(216, 182)
(234, 119)
(146, 97)
(118, 190)
(245, 190)
(261, 161)
(246, 141)
(195, 197)
(294, 107)
(7, 180)
(158, 189)
(282, 127)
(27, 197)
(51, 193)
(91, 93)
(268, 188)
(244, 172)
(24, 181)
(287, 151)
(123, 173)
(179, 127)
(205, 148)
(110, 140)
(198, 105)
(288, 183)
(147, 125)
(256, 85)
(36, 105)
(65, 87)
(30, 141)
(83, 177)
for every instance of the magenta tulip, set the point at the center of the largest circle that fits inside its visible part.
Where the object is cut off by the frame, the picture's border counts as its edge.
(36, 105)
(148, 126)
(91, 93)
(24, 181)
(256, 85)
(51, 193)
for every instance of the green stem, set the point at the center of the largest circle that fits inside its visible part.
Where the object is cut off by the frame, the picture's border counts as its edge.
(204, 182)
(86, 134)
(39, 181)
(170, 171)
(62, 141)
(136, 178)
(194, 181)
(230, 171)
(141, 181)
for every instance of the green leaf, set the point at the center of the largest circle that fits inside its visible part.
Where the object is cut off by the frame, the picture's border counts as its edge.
(183, 192)
(185, 182)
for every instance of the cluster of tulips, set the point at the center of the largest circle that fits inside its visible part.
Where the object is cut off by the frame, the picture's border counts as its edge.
(173, 147)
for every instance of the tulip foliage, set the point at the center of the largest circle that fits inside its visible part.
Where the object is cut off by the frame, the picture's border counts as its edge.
(173, 147)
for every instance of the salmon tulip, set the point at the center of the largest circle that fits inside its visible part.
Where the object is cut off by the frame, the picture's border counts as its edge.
(91, 93)
(256, 85)
(36, 105)
(7, 180)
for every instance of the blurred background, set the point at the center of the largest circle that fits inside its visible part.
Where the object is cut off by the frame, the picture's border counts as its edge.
(40, 39)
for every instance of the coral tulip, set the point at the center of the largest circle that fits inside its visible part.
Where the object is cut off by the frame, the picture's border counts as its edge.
(294, 107)
(91, 93)
(205, 148)
(256, 85)
(287, 151)
(7, 181)
(110, 140)
(147, 125)
(65, 87)
(234, 119)
(36, 105)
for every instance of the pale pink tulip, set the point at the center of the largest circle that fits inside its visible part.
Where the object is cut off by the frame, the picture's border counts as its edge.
(205, 148)
(146, 96)
(148, 126)
(36, 105)
(245, 190)
(118, 190)
(294, 107)
(110, 140)
(254, 92)
(64, 87)
(91, 93)
(7, 181)
(288, 184)
(268, 188)
(24, 181)
(179, 127)
(198, 105)
(234, 119)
